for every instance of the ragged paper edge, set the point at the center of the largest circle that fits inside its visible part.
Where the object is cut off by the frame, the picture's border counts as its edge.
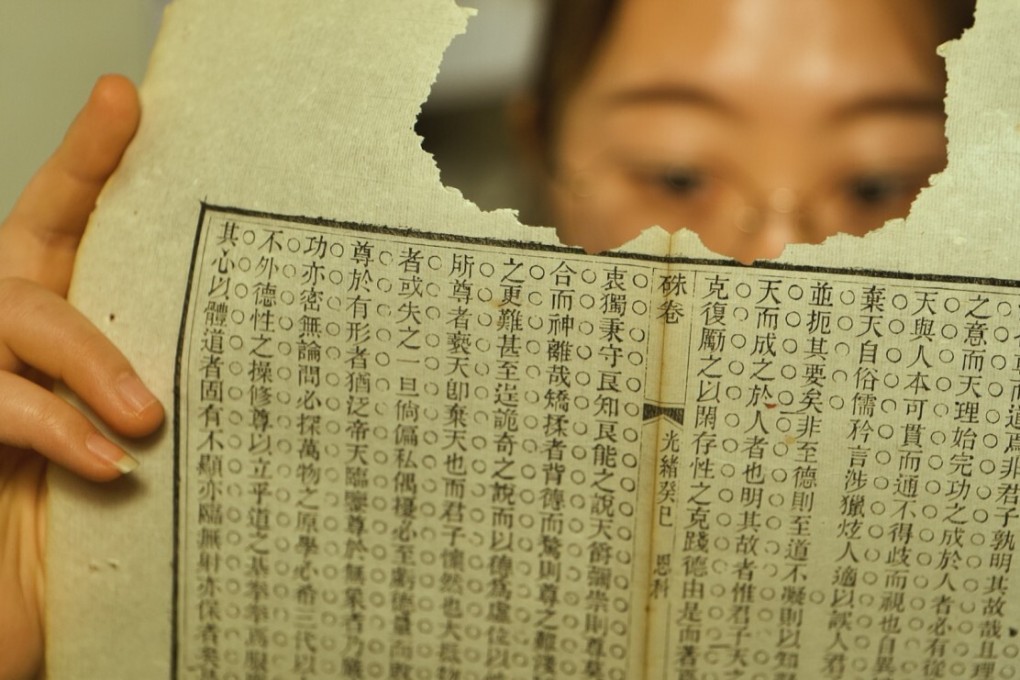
(225, 125)
(964, 222)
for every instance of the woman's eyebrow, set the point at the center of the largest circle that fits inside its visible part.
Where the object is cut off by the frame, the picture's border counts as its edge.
(671, 93)
(890, 103)
(894, 102)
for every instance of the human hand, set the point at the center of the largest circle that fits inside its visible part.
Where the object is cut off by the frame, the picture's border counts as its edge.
(43, 338)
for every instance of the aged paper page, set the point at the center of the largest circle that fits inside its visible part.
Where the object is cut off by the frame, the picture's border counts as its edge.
(405, 454)
(388, 455)
(283, 157)
(841, 495)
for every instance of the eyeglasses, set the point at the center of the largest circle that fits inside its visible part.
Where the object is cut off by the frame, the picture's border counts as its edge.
(854, 202)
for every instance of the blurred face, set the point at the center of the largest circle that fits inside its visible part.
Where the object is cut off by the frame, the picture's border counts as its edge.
(754, 123)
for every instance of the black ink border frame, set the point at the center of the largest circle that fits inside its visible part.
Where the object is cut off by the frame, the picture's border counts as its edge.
(449, 238)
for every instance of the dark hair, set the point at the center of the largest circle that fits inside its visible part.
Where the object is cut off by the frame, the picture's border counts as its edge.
(954, 17)
(575, 28)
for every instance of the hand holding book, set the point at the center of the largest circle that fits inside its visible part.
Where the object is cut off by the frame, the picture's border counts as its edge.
(42, 339)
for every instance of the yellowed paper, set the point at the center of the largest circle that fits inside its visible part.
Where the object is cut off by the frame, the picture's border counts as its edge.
(286, 150)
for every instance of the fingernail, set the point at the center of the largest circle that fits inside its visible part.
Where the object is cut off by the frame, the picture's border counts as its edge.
(134, 393)
(111, 453)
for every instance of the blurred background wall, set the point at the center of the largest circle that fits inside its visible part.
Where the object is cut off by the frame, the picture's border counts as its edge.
(52, 51)
(466, 122)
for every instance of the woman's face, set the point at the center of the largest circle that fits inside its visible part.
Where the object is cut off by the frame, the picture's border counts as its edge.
(754, 123)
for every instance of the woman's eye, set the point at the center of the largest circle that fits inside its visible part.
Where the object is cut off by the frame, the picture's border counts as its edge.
(680, 181)
(876, 191)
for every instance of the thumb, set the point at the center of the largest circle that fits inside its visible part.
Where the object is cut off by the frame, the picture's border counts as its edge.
(39, 239)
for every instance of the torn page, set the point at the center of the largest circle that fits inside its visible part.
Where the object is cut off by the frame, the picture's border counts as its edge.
(262, 540)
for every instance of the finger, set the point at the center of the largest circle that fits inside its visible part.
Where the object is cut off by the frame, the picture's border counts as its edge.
(34, 419)
(39, 239)
(50, 335)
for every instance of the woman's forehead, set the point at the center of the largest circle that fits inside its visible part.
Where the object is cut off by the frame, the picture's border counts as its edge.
(803, 43)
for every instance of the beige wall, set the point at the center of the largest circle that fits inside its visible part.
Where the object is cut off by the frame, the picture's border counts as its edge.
(51, 51)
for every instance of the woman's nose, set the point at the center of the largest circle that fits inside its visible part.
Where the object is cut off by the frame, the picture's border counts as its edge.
(768, 242)
(766, 227)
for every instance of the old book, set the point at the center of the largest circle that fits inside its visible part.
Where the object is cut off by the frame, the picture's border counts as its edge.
(408, 438)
